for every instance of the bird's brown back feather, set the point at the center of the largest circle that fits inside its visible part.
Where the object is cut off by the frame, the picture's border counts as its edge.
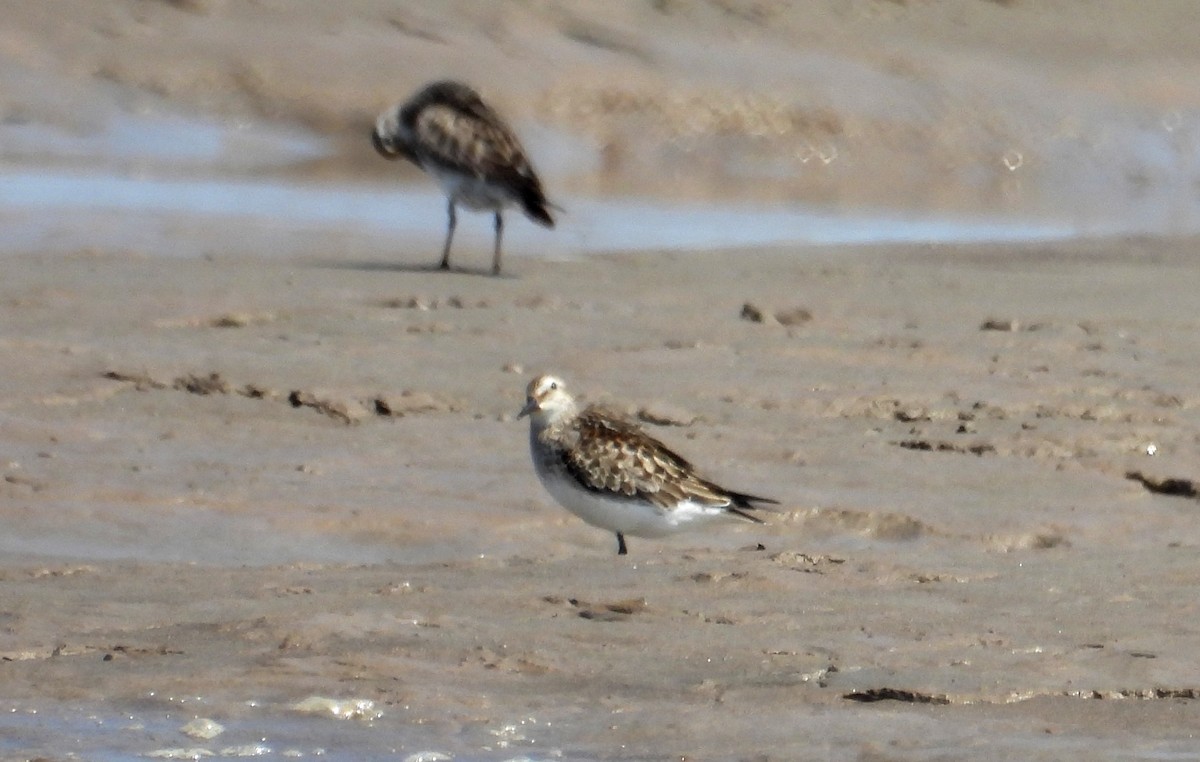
(615, 456)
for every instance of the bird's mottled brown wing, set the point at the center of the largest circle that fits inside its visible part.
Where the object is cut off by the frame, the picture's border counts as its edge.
(616, 457)
(473, 141)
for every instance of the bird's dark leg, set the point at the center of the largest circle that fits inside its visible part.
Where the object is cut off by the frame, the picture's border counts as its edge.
(451, 222)
(496, 254)
(621, 549)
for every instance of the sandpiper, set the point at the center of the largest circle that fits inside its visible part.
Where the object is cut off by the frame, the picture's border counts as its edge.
(609, 472)
(447, 130)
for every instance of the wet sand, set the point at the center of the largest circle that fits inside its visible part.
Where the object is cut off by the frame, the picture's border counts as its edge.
(248, 461)
(311, 480)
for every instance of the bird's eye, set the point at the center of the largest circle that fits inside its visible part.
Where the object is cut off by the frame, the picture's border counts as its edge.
(553, 384)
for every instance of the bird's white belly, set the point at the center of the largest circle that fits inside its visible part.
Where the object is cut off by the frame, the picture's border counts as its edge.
(631, 517)
(473, 192)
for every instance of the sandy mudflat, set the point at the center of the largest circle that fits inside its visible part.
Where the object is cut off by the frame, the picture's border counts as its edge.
(957, 521)
(246, 461)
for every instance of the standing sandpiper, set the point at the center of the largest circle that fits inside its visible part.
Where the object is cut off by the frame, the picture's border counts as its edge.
(448, 131)
(613, 475)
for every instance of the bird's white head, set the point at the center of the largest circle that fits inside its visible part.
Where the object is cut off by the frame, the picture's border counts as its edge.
(546, 398)
(388, 137)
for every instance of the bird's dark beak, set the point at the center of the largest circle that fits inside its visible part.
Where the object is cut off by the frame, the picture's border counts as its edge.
(531, 406)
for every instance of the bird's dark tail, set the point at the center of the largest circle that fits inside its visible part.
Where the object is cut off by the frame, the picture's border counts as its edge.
(743, 502)
(533, 200)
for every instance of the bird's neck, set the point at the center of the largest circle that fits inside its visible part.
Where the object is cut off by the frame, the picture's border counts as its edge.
(552, 424)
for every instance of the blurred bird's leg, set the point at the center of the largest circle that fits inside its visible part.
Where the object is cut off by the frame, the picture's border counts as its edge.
(496, 253)
(451, 222)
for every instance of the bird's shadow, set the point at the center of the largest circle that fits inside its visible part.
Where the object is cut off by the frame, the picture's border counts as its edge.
(405, 267)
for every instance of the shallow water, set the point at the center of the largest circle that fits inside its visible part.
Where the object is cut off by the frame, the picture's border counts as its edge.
(142, 141)
(257, 731)
(42, 206)
(147, 167)
(260, 731)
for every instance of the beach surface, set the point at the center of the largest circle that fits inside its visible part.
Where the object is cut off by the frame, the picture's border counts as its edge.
(261, 463)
